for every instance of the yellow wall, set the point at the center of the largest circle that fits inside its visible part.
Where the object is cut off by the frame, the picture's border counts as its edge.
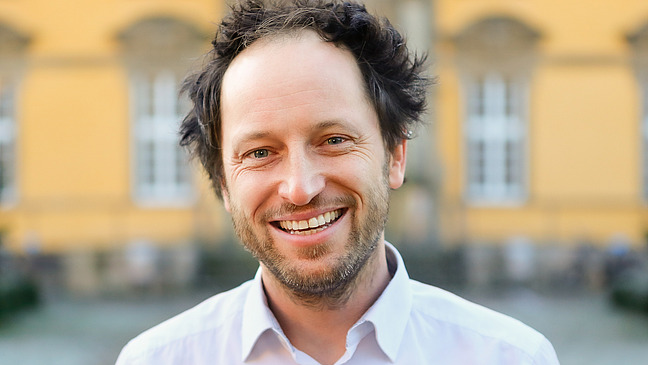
(74, 126)
(583, 128)
(74, 158)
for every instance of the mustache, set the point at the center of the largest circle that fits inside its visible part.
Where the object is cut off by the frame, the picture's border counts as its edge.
(318, 202)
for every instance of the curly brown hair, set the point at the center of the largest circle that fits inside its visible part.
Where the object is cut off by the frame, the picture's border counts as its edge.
(394, 78)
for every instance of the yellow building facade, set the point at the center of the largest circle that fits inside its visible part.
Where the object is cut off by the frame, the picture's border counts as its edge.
(540, 117)
(88, 92)
(537, 123)
(88, 122)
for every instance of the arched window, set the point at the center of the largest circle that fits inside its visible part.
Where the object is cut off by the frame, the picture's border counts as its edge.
(158, 53)
(495, 59)
(12, 49)
(639, 43)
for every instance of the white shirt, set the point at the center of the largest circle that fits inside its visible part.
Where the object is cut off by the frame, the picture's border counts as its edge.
(410, 323)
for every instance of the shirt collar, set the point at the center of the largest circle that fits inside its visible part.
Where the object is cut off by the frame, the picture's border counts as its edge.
(389, 314)
(257, 317)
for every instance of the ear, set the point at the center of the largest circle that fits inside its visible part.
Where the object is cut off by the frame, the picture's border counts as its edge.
(225, 195)
(398, 160)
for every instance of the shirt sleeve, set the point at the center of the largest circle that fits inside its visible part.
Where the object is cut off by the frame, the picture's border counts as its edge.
(126, 356)
(546, 355)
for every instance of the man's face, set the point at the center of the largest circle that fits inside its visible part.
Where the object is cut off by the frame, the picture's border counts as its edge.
(307, 176)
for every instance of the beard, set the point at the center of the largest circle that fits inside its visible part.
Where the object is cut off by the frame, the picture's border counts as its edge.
(332, 285)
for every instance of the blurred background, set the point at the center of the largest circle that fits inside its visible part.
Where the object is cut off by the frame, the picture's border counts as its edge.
(526, 191)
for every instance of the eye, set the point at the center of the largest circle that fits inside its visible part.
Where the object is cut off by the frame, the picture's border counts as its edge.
(335, 140)
(260, 153)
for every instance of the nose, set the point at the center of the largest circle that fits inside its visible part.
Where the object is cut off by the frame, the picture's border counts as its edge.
(302, 180)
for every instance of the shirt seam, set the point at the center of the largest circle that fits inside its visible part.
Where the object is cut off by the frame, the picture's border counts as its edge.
(530, 355)
(148, 350)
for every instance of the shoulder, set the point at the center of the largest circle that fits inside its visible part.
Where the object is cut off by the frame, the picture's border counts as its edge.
(213, 319)
(473, 324)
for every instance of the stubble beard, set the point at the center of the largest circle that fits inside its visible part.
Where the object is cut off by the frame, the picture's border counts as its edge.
(333, 286)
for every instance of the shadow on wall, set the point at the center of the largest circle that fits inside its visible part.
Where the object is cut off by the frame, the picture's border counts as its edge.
(143, 268)
(617, 270)
(18, 288)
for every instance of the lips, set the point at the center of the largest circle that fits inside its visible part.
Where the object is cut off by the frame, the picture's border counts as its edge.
(312, 225)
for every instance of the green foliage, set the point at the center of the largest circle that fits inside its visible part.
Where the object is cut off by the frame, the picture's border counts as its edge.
(630, 289)
(226, 266)
(444, 268)
(16, 296)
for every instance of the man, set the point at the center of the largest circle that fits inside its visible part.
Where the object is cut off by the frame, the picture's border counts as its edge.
(301, 118)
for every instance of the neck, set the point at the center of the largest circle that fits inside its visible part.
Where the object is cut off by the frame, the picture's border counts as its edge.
(319, 326)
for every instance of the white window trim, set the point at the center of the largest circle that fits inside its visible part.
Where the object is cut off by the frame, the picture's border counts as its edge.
(160, 128)
(8, 135)
(643, 81)
(478, 126)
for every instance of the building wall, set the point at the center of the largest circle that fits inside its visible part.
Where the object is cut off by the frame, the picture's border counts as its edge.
(583, 148)
(74, 127)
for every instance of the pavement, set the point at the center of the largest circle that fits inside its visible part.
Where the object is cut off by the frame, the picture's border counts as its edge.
(583, 327)
(69, 331)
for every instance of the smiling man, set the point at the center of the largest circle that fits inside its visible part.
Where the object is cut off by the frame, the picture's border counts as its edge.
(301, 118)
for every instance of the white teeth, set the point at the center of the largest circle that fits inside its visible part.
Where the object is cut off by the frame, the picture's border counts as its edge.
(287, 225)
(312, 223)
(317, 224)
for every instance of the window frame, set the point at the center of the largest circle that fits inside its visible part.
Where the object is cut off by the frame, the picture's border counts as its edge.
(643, 92)
(496, 117)
(8, 140)
(156, 113)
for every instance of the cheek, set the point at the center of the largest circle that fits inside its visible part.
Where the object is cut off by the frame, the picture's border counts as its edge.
(358, 176)
(250, 194)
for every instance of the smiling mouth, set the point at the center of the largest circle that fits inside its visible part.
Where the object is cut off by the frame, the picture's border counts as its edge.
(310, 226)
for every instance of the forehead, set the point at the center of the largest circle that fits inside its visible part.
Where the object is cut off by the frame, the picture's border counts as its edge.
(288, 70)
(301, 47)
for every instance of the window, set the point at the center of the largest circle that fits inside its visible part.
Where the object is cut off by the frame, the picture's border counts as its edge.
(157, 53)
(7, 140)
(161, 170)
(639, 43)
(495, 58)
(644, 134)
(12, 53)
(495, 140)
